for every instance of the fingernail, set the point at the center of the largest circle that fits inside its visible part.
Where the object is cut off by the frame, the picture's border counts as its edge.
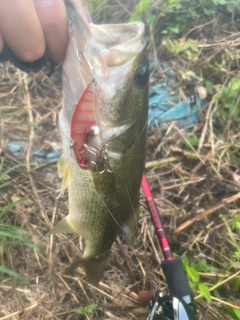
(43, 3)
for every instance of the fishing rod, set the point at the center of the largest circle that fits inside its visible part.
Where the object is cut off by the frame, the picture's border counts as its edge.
(180, 304)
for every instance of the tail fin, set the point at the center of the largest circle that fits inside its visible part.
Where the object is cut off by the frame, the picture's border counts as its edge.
(94, 268)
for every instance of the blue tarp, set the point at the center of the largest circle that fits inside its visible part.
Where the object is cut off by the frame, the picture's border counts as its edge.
(165, 106)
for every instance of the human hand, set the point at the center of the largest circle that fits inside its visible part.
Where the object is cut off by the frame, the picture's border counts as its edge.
(29, 26)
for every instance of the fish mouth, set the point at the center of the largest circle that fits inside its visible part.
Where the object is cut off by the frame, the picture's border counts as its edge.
(119, 43)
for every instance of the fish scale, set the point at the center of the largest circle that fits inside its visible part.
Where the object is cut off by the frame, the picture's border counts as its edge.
(103, 197)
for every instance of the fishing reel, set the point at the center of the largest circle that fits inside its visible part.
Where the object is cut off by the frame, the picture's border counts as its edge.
(167, 308)
(161, 308)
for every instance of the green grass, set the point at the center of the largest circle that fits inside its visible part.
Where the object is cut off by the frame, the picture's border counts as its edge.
(11, 235)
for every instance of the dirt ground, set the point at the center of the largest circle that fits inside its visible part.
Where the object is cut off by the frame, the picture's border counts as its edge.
(196, 191)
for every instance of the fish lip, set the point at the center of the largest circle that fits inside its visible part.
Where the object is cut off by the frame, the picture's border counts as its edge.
(117, 34)
(122, 40)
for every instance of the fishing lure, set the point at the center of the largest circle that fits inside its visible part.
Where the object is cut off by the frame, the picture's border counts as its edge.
(85, 134)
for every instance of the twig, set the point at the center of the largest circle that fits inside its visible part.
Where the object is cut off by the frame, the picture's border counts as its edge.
(154, 248)
(196, 153)
(28, 103)
(151, 164)
(160, 70)
(124, 7)
(82, 288)
(221, 44)
(125, 257)
(207, 212)
(17, 312)
(206, 157)
(226, 303)
(219, 284)
(204, 131)
(69, 289)
(198, 27)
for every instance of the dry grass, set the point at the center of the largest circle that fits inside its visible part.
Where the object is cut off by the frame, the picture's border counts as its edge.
(196, 191)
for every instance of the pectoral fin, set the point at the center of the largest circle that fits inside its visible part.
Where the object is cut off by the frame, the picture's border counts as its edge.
(64, 226)
(64, 173)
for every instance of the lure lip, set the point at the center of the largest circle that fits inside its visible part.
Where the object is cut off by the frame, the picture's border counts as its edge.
(87, 154)
(88, 157)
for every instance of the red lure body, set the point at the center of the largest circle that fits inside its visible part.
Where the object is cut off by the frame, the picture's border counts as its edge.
(83, 121)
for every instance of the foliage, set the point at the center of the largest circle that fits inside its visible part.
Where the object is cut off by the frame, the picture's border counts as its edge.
(176, 17)
(192, 272)
(183, 48)
(85, 310)
(235, 224)
(13, 274)
(191, 141)
(227, 100)
(11, 235)
(233, 312)
(206, 289)
(102, 9)
(140, 8)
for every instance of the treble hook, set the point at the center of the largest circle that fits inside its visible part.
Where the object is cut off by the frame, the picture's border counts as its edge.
(106, 166)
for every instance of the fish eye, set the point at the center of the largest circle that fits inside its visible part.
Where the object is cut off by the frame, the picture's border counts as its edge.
(141, 75)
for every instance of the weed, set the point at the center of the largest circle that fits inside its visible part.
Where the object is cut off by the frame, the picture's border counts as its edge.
(192, 272)
(176, 17)
(85, 310)
(211, 290)
(227, 99)
(191, 142)
(11, 235)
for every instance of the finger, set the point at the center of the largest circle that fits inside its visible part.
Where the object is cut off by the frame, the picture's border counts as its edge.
(53, 18)
(21, 29)
(1, 42)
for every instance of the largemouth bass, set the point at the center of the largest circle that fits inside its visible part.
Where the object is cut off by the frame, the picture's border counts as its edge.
(103, 125)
